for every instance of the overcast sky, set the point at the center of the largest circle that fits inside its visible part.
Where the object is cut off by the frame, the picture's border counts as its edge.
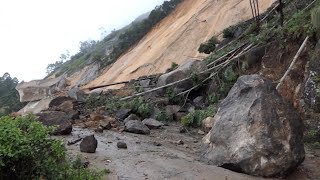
(33, 33)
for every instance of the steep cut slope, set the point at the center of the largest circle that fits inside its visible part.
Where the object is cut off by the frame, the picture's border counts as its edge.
(177, 37)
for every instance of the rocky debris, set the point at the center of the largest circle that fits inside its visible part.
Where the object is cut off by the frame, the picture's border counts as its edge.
(207, 124)
(65, 104)
(89, 144)
(182, 129)
(132, 117)
(41, 89)
(122, 145)
(145, 83)
(182, 72)
(135, 126)
(152, 123)
(171, 110)
(74, 141)
(105, 125)
(199, 102)
(255, 131)
(56, 118)
(96, 117)
(77, 94)
(99, 130)
(123, 113)
(35, 107)
(179, 142)
(157, 144)
(201, 132)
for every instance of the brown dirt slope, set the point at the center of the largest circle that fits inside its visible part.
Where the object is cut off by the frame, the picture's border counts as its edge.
(177, 37)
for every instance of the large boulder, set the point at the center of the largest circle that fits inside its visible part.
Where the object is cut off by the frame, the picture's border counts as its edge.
(255, 131)
(40, 89)
(136, 126)
(182, 72)
(89, 144)
(56, 118)
(152, 123)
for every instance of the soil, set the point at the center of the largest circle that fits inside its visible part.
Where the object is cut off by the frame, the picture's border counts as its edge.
(159, 156)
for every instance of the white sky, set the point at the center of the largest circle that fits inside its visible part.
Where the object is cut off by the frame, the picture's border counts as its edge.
(33, 33)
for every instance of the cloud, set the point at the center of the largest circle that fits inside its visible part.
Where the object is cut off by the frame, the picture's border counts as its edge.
(34, 33)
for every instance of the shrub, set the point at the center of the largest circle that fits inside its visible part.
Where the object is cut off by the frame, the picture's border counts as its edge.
(173, 67)
(28, 152)
(196, 117)
(209, 46)
(315, 18)
(228, 33)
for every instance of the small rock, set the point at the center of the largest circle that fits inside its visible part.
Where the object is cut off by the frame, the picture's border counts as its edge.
(152, 123)
(207, 123)
(105, 125)
(65, 128)
(135, 126)
(182, 129)
(99, 130)
(201, 132)
(199, 102)
(157, 144)
(74, 141)
(89, 144)
(123, 113)
(180, 142)
(122, 145)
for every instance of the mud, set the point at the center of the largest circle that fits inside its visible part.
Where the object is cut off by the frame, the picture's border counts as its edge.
(158, 156)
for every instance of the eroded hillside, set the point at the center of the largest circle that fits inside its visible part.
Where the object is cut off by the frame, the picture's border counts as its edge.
(177, 38)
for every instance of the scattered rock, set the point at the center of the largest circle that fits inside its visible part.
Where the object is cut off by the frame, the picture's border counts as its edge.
(180, 142)
(171, 110)
(179, 115)
(182, 72)
(122, 145)
(199, 102)
(99, 129)
(132, 117)
(135, 126)
(182, 129)
(152, 123)
(201, 132)
(56, 118)
(207, 124)
(123, 113)
(145, 83)
(96, 117)
(105, 125)
(255, 131)
(74, 141)
(77, 94)
(89, 144)
(157, 144)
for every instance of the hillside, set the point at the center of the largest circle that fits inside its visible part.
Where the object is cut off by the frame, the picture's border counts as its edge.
(177, 38)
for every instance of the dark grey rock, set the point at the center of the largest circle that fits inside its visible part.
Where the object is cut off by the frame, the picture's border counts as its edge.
(123, 113)
(56, 118)
(135, 126)
(152, 123)
(255, 131)
(182, 72)
(77, 94)
(89, 144)
(132, 117)
(122, 145)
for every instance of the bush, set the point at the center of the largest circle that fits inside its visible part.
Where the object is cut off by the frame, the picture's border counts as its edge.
(196, 117)
(209, 46)
(173, 67)
(315, 18)
(28, 152)
(228, 33)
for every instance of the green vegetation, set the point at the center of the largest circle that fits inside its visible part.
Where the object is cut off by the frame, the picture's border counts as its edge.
(28, 152)
(173, 67)
(9, 96)
(209, 46)
(312, 137)
(196, 117)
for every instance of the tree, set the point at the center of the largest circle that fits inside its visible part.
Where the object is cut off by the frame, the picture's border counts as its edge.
(54, 66)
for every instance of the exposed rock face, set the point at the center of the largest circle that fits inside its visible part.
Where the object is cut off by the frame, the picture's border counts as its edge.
(56, 118)
(152, 123)
(182, 72)
(255, 131)
(40, 89)
(135, 126)
(89, 144)
(77, 94)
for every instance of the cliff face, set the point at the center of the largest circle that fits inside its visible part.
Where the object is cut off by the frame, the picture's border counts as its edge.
(177, 37)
